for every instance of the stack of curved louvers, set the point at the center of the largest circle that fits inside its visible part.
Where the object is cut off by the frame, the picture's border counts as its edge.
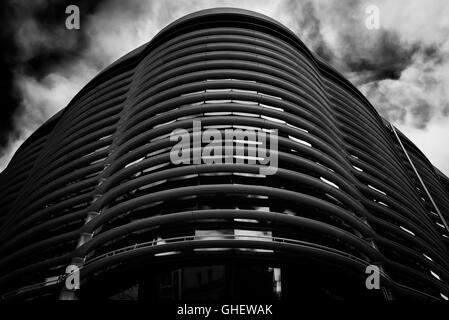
(95, 187)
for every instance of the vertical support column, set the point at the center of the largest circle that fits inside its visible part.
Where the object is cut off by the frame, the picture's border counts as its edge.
(97, 202)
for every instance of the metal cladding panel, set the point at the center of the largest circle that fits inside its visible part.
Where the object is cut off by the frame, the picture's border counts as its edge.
(95, 186)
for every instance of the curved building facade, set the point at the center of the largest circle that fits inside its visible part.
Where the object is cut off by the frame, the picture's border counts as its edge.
(96, 187)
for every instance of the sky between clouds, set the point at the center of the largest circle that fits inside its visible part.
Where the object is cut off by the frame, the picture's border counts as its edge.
(402, 68)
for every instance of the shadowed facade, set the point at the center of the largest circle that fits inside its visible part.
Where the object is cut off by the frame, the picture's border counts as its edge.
(94, 186)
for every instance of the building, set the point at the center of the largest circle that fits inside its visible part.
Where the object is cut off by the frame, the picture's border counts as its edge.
(95, 186)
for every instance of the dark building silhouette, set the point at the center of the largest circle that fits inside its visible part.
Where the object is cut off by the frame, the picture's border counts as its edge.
(95, 186)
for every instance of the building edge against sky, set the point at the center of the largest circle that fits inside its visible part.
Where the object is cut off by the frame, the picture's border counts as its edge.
(94, 186)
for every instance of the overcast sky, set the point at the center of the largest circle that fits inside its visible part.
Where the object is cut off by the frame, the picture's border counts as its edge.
(402, 68)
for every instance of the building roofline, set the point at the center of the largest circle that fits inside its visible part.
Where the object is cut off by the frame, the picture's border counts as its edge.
(143, 49)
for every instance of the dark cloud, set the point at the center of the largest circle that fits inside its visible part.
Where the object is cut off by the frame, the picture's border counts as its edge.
(370, 54)
(42, 40)
(34, 42)
(403, 68)
(375, 60)
(308, 26)
(386, 60)
(10, 96)
(44, 64)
